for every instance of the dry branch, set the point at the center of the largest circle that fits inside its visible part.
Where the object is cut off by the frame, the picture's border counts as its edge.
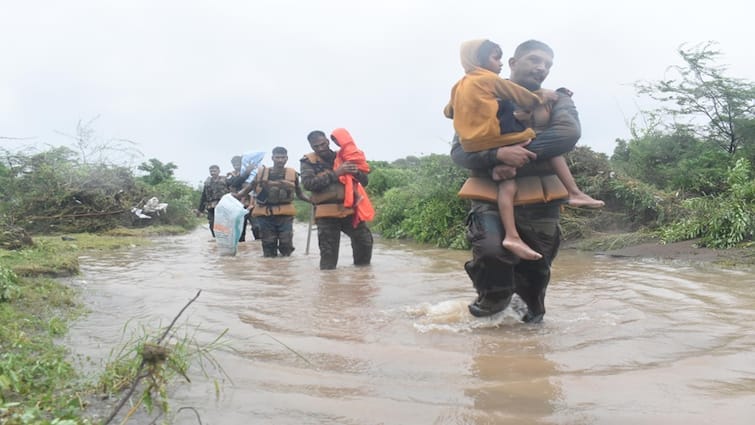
(145, 361)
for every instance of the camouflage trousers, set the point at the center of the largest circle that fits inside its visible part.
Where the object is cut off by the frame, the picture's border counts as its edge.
(255, 225)
(495, 269)
(329, 240)
(277, 234)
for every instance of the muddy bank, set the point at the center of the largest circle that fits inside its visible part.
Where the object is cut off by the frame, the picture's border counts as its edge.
(684, 251)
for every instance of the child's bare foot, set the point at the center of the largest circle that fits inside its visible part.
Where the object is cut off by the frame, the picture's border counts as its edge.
(521, 249)
(583, 200)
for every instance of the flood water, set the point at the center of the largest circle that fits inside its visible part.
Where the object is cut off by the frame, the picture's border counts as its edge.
(625, 341)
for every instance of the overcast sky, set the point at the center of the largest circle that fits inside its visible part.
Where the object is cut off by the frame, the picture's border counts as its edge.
(195, 82)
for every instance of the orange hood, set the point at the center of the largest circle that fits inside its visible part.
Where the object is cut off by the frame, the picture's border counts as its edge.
(343, 138)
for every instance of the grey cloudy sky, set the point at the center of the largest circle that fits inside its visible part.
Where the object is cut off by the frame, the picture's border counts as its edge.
(195, 82)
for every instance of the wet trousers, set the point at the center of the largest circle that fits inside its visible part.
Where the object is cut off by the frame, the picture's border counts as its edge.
(495, 269)
(255, 225)
(211, 220)
(277, 233)
(329, 240)
(242, 238)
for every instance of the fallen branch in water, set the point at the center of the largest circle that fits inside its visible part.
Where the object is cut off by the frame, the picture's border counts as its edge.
(153, 355)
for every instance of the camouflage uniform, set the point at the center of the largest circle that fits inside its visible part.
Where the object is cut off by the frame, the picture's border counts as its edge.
(318, 177)
(329, 240)
(277, 233)
(214, 189)
(495, 272)
(277, 223)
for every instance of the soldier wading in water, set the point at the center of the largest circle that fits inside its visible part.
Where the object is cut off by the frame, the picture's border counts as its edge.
(328, 194)
(214, 188)
(274, 210)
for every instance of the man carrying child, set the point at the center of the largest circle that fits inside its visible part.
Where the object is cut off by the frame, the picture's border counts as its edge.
(496, 272)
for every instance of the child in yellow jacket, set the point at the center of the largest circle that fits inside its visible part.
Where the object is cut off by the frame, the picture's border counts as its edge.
(490, 112)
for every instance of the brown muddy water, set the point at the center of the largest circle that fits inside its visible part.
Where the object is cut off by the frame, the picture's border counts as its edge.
(623, 342)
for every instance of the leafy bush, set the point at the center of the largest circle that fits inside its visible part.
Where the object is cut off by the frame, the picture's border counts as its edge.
(53, 190)
(640, 202)
(419, 201)
(720, 221)
(56, 190)
(673, 162)
(438, 219)
(384, 178)
(631, 203)
(699, 174)
(585, 163)
(8, 284)
(393, 211)
(181, 199)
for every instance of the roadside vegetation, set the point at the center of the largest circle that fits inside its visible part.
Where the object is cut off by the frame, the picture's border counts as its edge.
(39, 383)
(78, 188)
(57, 204)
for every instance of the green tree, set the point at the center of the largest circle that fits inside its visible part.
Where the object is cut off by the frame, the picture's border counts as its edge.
(701, 99)
(747, 151)
(674, 161)
(157, 172)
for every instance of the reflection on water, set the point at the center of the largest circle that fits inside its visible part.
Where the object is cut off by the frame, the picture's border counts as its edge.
(624, 341)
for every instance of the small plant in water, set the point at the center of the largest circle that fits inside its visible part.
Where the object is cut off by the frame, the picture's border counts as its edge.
(148, 367)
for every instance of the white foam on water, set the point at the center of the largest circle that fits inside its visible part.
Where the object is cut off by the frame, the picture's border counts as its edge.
(454, 316)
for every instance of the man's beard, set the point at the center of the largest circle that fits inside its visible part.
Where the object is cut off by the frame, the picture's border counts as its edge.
(529, 81)
(532, 86)
(328, 155)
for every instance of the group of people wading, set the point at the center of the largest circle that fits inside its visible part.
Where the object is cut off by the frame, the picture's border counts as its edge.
(335, 180)
(511, 135)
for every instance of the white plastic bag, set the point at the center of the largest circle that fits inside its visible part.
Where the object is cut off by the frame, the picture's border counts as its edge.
(229, 220)
(155, 206)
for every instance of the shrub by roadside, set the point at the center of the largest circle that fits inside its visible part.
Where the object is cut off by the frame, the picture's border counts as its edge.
(37, 382)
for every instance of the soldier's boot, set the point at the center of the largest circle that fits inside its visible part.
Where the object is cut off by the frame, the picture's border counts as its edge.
(490, 303)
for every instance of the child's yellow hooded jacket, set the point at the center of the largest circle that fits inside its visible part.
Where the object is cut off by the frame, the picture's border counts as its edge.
(474, 104)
